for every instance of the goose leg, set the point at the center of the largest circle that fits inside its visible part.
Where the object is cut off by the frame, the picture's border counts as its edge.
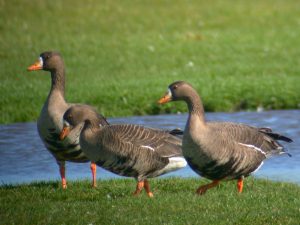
(240, 185)
(62, 169)
(139, 188)
(94, 168)
(147, 188)
(202, 189)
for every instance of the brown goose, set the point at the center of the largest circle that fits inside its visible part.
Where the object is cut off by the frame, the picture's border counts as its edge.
(127, 150)
(50, 121)
(221, 150)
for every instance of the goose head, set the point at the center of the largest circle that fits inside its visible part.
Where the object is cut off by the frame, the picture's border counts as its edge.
(177, 91)
(48, 61)
(76, 115)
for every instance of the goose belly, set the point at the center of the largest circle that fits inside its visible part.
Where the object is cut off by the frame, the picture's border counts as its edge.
(208, 167)
(122, 166)
(219, 164)
(194, 157)
(206, 163)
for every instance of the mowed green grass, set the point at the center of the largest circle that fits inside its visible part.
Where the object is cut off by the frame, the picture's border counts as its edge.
(174, 202)
(121, 55)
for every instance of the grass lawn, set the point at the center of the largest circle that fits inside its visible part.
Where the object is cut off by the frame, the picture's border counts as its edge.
(174, 202)
(121, 55)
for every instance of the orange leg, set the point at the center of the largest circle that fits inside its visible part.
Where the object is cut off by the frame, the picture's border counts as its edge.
(202, 189)
(147, 188)
(240, 185)
(62, 175)
(94, 168)
(139, 188)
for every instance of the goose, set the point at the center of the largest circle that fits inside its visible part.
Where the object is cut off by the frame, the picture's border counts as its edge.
(221, 151)
(50, 121)
(125, 149)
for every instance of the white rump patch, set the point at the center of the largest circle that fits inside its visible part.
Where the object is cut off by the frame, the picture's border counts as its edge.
(253, 147)
(148, 147)
(180, 161)
(174, 164)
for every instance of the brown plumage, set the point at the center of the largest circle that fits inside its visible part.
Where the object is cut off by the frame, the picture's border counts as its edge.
(221, 150)
(126, 149)
(50, 123)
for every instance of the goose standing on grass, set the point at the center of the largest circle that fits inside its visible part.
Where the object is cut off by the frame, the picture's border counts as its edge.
(221, 150)
(125, 149)
(50, 121)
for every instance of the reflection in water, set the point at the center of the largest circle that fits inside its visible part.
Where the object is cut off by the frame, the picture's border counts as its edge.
(23, 158)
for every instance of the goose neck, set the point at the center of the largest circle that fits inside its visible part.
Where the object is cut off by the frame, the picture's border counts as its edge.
(195, 106)
(58, 80)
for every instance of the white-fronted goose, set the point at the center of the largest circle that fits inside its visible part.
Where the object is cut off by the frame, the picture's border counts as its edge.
(50, 121)
(221, 150)
(127, 149)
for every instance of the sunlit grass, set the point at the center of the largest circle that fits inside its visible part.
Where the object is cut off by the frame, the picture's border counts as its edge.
(121, 55)
(174, 202)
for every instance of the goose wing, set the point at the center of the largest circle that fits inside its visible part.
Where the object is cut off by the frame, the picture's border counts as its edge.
(236, 149)
(148, 139)
(258, 139)
(123, 152)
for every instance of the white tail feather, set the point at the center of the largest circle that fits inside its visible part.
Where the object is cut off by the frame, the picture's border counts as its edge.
(175, 163)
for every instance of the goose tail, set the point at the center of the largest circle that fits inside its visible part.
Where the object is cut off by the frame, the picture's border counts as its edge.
(175, 163)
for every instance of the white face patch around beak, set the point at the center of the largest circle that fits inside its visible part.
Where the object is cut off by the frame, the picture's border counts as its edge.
(41, 61)
(66, 124)
(169, 93)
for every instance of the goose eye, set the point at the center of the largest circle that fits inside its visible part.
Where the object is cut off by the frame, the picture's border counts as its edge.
(175, 87)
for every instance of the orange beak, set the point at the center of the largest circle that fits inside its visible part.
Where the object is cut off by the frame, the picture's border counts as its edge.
(166, 98)
(36, 66)
(64, 133)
